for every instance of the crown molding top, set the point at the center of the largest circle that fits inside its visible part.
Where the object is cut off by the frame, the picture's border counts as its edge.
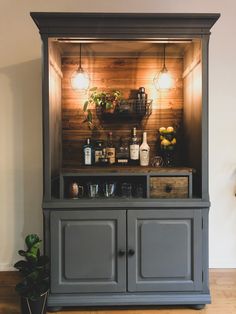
(123, 25)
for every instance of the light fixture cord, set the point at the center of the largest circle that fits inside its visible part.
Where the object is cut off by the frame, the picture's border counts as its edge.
(80, 55)
(164, 56)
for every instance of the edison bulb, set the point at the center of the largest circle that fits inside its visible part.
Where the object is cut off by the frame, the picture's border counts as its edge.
(80, 80)
(163, 80)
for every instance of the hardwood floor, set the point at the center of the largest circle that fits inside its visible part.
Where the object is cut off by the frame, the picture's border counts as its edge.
(222, 285)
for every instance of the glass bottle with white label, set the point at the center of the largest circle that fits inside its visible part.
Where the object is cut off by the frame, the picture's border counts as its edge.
(134, 148)
(144, 151)
(88, 153)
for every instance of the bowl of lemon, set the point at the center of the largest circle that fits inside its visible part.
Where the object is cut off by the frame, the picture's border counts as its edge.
(168, 144)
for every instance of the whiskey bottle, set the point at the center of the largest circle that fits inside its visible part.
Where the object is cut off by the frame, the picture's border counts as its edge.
(110, 150)
(134, 148)
(122, 152)
(88, 153)
(144, 151)
(98, 151)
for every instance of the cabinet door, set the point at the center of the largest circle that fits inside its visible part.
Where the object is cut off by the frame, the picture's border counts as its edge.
(166, 250)
(84, 251)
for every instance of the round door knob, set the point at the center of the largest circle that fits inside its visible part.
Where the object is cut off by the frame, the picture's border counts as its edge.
(131, 252)
(121, 252)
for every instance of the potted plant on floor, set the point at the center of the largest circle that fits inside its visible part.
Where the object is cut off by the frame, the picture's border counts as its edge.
(34, 286)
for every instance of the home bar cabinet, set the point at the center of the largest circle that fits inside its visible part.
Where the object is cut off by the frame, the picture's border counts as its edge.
(146, 241)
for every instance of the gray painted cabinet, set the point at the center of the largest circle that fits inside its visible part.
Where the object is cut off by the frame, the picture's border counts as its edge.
(168, 250)
(88, 251)
(117, 251)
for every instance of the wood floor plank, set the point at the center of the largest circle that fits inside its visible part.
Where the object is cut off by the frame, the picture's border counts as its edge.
(222, 285)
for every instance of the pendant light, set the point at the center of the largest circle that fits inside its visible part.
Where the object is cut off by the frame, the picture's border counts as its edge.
(80, 79)
(163, 80)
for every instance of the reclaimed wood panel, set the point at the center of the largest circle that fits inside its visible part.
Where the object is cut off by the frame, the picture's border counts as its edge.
(127, 75)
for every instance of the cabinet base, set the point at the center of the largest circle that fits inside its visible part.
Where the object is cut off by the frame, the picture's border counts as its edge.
(54, 308)
(196, 301)
(198, 306)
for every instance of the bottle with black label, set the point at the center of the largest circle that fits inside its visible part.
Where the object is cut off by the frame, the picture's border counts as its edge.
(98, 151)
(88, 153)
(144, 151)
(122, 152)
(110, 150)
(134, 148)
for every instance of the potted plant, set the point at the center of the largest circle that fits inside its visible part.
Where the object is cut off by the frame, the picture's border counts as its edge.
(34, 286)
(105, 100)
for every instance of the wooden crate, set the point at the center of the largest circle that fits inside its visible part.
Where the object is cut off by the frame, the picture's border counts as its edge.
(169, 187)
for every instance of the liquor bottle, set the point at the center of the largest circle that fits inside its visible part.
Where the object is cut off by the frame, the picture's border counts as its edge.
(98, 151)
(88, 153)
(110, 150)
(134, 148)
(122, 152)
(144, 151)
(103, 160)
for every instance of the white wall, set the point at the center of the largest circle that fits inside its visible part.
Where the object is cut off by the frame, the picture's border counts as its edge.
(20, 118)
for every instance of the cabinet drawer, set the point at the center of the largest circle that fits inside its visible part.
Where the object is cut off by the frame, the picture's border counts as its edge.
(169, 187)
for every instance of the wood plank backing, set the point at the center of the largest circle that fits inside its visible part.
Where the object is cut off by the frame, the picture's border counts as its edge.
(127, 75)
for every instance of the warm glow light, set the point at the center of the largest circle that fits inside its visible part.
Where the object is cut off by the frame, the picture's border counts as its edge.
(163, 80)
(80, 80)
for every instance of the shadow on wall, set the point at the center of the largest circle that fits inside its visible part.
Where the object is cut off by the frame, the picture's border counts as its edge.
(21, 149)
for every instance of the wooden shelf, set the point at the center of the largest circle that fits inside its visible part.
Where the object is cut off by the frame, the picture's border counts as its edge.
(94, 170)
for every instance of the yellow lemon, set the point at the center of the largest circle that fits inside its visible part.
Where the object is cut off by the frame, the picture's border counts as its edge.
(162, 129)
(165, 142)
(170, 129)
(173, 142)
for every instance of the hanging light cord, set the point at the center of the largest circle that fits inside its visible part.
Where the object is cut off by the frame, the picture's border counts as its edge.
(164, 66)
(80, 56)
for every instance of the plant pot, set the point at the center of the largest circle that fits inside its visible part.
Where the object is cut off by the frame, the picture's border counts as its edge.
(34, 307)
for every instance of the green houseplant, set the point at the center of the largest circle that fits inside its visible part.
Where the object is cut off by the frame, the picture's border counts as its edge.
(35, 277)
(106, 100)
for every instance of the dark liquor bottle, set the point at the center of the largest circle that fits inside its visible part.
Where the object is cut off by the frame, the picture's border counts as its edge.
(110, 150)
(88, 153)
(122, 152)
(98, 151)
(134, 148)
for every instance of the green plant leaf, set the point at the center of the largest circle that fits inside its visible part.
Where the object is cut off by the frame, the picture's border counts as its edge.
(85, 105)
(89, 116)
(92, 89)
(22, 253)
(31, 239)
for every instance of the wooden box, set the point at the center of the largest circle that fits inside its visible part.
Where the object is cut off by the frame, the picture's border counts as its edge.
(170, 187)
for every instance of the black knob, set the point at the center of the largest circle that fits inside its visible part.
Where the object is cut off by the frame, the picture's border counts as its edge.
(131, 252)
(121, 252)
(168, 188)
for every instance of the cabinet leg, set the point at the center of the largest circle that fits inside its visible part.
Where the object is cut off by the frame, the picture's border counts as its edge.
(54, 308)
(198, 306)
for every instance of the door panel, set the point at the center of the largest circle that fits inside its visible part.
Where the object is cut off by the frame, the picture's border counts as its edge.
(85, 248)
(167, 246)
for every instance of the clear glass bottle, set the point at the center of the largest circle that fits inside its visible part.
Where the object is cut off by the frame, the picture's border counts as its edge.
(144, 151)
(88, 153)
(110, 150)
(134, 148)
